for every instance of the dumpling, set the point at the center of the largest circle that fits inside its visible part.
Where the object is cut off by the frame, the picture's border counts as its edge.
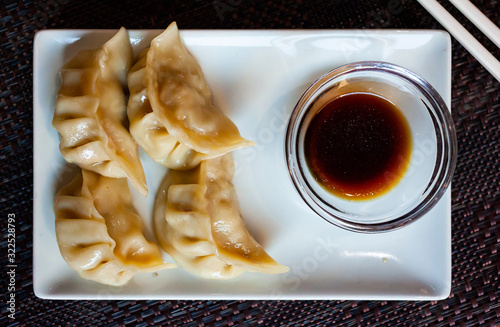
(90, 113)
(197, 222)
(99, 232)
(147, 129)
(170, 107)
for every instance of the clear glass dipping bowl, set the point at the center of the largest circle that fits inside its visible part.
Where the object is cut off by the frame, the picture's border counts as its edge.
(434, 147)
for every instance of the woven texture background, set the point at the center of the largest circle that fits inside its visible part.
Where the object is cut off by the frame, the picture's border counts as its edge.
(475, 297)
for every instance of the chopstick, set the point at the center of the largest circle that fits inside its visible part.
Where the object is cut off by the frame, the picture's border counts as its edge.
(463, 36)
(479, 19)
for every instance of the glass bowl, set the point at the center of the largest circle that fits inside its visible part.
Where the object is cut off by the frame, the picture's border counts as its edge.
(433, 154)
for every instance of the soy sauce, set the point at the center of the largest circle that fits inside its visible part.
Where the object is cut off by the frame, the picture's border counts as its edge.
(358, 146)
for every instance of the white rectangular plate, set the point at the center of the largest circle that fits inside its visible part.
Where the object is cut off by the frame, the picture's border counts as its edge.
(256, 78)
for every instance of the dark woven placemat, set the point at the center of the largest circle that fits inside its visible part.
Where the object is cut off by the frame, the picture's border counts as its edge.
(475, 297)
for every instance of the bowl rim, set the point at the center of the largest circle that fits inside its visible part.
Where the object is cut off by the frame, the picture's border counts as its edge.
(445, 166)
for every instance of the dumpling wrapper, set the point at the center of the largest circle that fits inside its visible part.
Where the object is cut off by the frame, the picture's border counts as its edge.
(90, 112)
(99, 232)
(197, 222)
(182, 101)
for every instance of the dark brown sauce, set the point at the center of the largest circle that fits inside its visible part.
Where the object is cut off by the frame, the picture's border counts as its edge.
(358, 146)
